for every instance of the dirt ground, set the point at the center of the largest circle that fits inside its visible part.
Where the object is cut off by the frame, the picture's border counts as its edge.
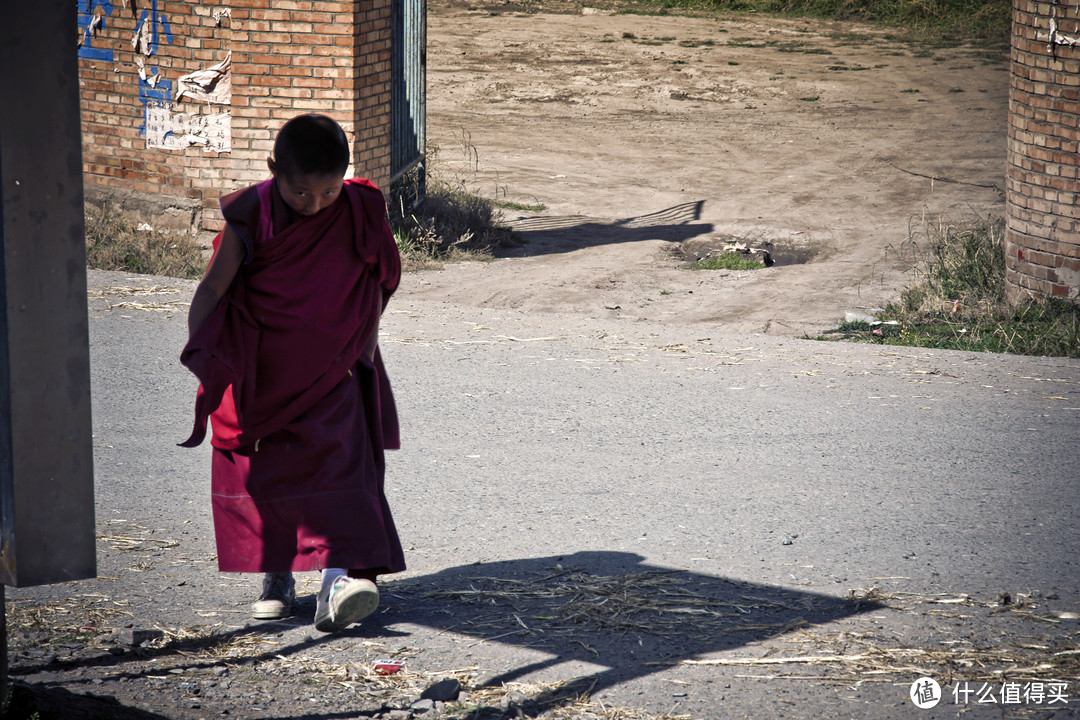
(653, 139)
(648, 140)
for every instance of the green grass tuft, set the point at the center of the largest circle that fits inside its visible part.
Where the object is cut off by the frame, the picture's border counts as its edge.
(728, 261)
(522, 207)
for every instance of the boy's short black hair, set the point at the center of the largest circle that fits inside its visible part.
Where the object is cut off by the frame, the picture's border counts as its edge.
(311, 145)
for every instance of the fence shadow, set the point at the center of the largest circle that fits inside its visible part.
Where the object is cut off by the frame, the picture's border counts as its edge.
(544, 235)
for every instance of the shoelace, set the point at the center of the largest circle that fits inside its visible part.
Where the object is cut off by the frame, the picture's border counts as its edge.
(277, 586)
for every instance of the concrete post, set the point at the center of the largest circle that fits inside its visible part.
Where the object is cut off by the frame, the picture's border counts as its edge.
(46, 463)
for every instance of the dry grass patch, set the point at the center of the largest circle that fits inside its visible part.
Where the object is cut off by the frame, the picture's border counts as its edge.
(956, 299)
(115, 242)
(450, 224)
(656, 603)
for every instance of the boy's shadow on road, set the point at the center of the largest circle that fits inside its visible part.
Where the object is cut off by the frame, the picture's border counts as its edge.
(543, 235)
(606, 609)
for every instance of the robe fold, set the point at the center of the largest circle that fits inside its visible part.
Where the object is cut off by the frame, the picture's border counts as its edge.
(300, 416)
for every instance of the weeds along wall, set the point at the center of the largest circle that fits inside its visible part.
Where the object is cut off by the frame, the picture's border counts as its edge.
(1042, 237)
(181, 100)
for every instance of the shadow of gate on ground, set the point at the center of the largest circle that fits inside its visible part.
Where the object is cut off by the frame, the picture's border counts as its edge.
(545, 235)
(603, 608)
(606, 609)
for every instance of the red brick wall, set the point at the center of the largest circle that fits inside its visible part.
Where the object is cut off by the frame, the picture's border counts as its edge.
(1042, 237)
(288, 57)
(372, 115)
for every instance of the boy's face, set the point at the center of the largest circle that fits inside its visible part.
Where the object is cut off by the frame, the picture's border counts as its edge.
(308, 194)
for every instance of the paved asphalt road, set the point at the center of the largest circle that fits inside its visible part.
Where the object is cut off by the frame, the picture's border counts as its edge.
(538, 444)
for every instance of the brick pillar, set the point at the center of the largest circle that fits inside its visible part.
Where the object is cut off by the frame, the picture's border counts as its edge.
(373, 83)
(1042, 237)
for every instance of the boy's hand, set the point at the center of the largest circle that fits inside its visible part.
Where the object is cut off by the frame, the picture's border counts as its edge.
(228, 256)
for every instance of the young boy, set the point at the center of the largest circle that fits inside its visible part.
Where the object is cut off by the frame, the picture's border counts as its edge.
(283, 336)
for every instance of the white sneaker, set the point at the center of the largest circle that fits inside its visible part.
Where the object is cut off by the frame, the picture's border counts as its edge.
(346, 601)
(278, 597)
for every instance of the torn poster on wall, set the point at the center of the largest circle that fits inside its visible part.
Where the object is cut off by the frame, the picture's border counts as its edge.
(167, 129)
(212, 85)
(144, 76)
(91, 21)
(148, 33)
(1055, 38)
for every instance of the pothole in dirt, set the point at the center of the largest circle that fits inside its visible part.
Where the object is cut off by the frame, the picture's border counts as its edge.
(781, 252)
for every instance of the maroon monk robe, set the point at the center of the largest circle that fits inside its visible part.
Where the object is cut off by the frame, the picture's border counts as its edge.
(300, 415)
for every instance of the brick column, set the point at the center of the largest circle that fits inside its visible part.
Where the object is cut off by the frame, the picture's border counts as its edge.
(1042, 237)
(373, 81)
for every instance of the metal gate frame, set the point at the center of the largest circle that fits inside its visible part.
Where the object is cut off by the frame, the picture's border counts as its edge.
(408, 110)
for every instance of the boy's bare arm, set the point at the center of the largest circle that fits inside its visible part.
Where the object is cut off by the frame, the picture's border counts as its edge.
(223, 268)
(373, 341)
